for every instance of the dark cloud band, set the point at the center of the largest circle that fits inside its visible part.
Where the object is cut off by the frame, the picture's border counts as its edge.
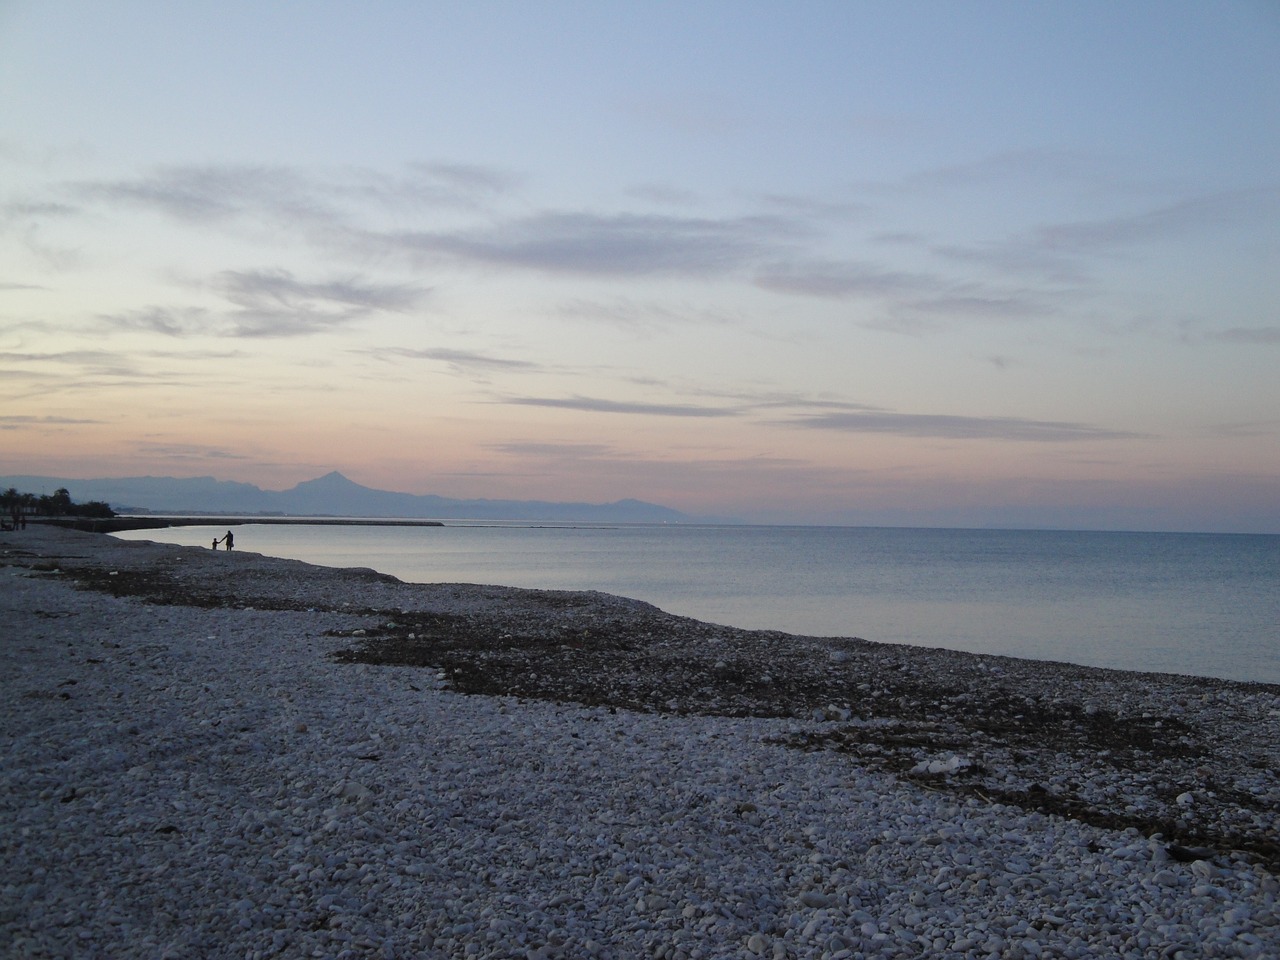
(947, 427)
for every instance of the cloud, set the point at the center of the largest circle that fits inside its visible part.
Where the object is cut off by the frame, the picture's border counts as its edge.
(728, 403)
(469, 177)
(29, 211)
(1254, 335)
(598, 405)
(1055, 251)
(19, 422)
(809, 208)
(433, 185)
(99, 363)
(986, 307)
(279, 289)
(28, 221)
(773, 400)
(459, 359)
(219, 192)
(186, 451)
(1194, 214)
(1021, 256)
(842, 280)
(913, 301)
(213, 192)
(921, 314)
(1059, 252)
(334, 211)
(609, 244)
(170, 321)
(1255, 428)
(555, 451)
(948, 427)
(638, 315)
(273, 303)
(86, 372)
(899, 238)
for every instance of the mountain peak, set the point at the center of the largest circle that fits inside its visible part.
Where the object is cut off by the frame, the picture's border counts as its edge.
(332, 495)
(333, 480)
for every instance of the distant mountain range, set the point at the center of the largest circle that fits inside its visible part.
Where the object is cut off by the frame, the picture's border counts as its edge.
(332, 495)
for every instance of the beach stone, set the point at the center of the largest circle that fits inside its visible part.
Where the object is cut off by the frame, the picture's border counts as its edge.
(351, 790)
(495, 812)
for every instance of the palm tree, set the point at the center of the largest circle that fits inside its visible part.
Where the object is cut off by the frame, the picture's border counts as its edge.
(61, 502)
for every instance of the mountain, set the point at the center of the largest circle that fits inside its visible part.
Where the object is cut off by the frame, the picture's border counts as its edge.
(332, 495)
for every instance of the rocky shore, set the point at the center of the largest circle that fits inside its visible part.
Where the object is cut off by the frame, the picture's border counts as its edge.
(220, 754)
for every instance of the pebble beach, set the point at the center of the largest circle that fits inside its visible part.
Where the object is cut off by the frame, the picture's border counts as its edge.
(221, 754)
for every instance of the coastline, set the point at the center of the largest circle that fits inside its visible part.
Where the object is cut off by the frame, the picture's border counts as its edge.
(118, 524)
(579, 774)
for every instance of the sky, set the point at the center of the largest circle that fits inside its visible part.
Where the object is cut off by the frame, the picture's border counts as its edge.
(928, 264)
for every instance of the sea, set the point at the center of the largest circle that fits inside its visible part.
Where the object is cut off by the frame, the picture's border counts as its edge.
(1197, 604)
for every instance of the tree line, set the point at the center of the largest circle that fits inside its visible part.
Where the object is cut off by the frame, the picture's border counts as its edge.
(57, 504)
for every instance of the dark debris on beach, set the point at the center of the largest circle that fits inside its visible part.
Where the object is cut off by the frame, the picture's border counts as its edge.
(864, 700)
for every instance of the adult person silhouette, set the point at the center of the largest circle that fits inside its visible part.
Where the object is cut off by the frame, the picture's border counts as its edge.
(230, 539)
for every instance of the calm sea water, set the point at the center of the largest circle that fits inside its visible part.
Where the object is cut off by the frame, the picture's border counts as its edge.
(1201, 604)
